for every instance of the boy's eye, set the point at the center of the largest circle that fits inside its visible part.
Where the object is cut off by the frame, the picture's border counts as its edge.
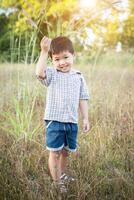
(66, 57)
(56, 59)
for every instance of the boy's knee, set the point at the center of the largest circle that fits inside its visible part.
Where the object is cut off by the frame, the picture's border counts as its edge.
(55, 154)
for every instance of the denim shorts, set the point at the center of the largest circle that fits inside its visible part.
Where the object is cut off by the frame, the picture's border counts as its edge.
(61, 135)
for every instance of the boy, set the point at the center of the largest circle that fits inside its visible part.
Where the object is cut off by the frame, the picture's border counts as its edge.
(66, 92)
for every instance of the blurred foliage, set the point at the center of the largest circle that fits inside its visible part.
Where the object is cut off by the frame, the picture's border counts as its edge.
(24, 19)
(128, 35)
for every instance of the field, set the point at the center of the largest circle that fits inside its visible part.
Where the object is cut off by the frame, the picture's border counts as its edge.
(103, 164)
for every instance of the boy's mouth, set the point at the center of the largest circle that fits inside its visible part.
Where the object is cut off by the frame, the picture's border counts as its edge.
(64, 68)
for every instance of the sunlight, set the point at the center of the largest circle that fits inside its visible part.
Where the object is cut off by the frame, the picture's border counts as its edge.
(87, 3)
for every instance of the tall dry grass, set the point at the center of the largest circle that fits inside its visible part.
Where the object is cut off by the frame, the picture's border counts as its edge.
(103, 164)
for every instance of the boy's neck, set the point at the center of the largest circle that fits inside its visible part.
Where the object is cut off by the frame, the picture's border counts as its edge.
(65, 72)
(62, 71)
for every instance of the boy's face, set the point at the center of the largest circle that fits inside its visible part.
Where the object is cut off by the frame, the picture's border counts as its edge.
(63, 61)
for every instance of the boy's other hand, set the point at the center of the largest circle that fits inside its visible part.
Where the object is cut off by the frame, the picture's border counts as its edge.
(86, 126)
(45, 44)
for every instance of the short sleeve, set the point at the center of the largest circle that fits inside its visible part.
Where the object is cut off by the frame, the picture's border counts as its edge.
(84, 94)
(49, 73)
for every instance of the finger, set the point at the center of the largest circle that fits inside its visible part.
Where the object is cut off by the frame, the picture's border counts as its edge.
(44, 42)
(86, 128)
(44, 38)
(50, 39)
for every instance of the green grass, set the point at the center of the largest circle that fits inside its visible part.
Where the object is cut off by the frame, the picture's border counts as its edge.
(103, 163)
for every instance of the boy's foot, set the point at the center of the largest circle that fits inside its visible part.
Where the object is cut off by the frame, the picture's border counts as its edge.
(66, 178)
(60, 186)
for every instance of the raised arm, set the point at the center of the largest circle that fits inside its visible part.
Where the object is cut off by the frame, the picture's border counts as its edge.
(41, 64)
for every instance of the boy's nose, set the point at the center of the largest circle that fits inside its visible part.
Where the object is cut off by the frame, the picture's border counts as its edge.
(61, 62)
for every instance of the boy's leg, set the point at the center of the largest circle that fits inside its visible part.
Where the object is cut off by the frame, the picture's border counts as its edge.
(54, 165)
(63, 160)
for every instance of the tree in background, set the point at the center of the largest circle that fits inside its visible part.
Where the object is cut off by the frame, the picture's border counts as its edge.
(89, 27)
(127, 36)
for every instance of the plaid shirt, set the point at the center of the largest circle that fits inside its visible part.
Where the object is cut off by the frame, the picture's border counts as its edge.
(63, 94)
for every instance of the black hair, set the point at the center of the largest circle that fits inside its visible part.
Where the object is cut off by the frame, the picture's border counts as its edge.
(60, 44)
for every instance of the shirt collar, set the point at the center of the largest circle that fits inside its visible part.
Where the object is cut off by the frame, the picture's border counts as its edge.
(72, 71)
